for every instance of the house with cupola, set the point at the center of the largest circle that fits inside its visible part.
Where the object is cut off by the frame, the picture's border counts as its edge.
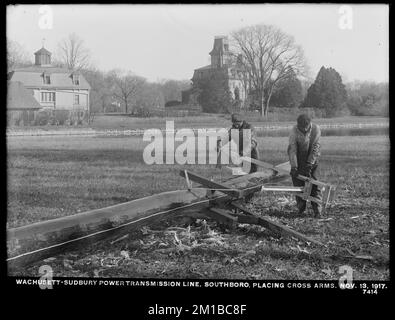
(54, 88)
(224, 65)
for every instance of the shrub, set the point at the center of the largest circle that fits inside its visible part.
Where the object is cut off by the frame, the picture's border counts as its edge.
(172, 103)
(142, 112)
(72, 119)
(14, 118)
(61, 116)
(42, 117)
(369, 99)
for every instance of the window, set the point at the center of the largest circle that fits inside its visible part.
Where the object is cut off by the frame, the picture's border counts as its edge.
(47, 96)
(76, 79)
(47, 79)
(76, 99)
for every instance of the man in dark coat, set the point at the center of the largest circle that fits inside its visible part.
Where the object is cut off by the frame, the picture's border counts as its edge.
(304, 152)
(239, 125)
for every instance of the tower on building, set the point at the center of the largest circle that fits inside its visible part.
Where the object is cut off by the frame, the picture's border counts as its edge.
(42, 58)
(220, 55)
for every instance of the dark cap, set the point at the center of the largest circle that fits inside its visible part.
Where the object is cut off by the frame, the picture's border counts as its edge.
(303, 120)
(237, 117)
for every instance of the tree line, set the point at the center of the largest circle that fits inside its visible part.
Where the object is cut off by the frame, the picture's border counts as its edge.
(116, 90)
(270, 63)
(123, 91)
(275, 74)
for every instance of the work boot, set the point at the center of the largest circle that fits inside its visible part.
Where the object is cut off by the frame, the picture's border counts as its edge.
(317, 210)
(301, 205)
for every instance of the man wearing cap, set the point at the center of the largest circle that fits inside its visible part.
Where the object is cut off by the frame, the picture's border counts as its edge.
(238, 126)
(304, 152)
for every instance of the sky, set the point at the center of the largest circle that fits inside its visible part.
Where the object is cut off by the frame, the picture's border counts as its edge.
(170, 41)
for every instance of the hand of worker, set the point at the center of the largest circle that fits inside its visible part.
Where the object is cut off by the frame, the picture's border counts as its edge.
(294, 172)
(307, 170)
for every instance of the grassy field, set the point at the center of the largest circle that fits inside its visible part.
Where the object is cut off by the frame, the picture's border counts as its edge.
(203, 121)
(57, 176)
(212, 120)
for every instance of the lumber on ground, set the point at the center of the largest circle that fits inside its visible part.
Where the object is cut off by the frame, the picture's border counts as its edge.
(37, 241)
(273, 226)
(40, 240)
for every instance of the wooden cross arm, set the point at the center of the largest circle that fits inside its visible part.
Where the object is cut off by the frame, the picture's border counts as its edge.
(212, 184)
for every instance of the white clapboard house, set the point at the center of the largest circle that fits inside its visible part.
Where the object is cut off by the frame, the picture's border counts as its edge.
(54, 88)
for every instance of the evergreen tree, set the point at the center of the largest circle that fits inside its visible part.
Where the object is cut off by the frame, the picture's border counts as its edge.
(289, 93)
(327, 92)
(214, 95)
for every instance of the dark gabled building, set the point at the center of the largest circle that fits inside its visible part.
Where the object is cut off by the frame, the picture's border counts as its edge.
(223, 65)
(21, 105)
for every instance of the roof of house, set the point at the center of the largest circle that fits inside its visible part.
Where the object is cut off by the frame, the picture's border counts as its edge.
(204, 68)
(61, 78)
(18, 97)
(43, 51)
(197, 73)
(41, 69)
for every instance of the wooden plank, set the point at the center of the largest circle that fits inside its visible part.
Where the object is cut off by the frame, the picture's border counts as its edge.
(223, 216)
(35, 242)
(236, 204)
(283, 189)
(256, 188)
(307, 191)
(40, 240)
(273, 226)
(265, 165)
(234, 192)
(259, 176)
(189, 184)
(236, 171)
(281, 170)
(251, 178)
(286, 166)
(253, 182)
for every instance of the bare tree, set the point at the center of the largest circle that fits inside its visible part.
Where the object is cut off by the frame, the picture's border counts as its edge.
(150, 95)
(172, 88)
(17, 55)
(73, 54)
(268, 56)
(125, 87)
(100, 93)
